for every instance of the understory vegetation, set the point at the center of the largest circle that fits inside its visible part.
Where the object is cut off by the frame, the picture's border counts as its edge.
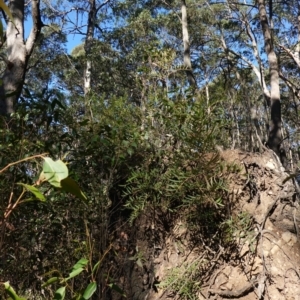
(125, 171)
(127, 128)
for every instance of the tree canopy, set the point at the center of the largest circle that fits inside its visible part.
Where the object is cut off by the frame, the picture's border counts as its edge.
(131, 113)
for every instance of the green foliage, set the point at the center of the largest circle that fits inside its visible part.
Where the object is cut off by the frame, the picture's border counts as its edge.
(56, 173)
(34, 191)
(11, 292)
(144, 144)
(77, 269)
(60, 293)
(177, 173)
(138, 258)
(89, 291)
(239, 228)
(183, 280)
(53, 172)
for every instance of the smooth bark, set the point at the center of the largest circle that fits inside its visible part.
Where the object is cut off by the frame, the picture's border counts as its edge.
(88, 49)
(186, 45)
(88, 46)
(18, 53)
(275, 136)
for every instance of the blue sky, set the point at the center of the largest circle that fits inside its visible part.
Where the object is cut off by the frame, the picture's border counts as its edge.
(73, 39)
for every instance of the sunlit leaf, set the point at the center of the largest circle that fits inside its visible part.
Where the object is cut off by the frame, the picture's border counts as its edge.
(139, 263)
(54, 171)
(89, 291)
(50, 281)
(60, 293)
(34, 191)
(75, 273)
(80, 264)
(11, 292)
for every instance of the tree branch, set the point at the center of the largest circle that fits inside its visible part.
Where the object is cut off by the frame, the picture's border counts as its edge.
(37, 25)
(290, 54)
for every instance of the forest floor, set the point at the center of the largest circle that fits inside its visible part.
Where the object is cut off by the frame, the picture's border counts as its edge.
(258, 257)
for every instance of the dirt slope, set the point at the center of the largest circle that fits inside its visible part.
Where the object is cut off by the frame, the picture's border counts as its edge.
(270, 270)
(258, 260)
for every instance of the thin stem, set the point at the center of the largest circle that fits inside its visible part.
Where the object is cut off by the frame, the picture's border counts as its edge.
(22, 160)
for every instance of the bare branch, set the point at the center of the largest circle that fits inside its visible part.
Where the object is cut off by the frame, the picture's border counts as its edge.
(37, 25)
(290, 54)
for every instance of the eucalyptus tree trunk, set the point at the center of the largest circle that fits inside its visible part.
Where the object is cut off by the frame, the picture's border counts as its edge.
(298, 26)
(17, 53)
(186, 45)
(88, 49)
(294, 54)
(275, 136)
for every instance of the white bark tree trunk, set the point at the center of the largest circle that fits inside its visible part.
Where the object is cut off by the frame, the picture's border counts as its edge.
(88, 46)
(18, 53)
(275, 136)
(186, 45)
(88, 49)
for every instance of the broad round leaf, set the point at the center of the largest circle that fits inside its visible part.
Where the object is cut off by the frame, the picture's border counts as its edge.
(71, 186)
(54, 171)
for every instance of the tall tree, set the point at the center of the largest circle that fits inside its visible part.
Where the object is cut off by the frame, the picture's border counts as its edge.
(275, 136)
(186, 45)
(88, 45)
(18, 52)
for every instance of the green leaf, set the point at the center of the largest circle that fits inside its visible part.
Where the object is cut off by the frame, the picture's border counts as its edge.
(89, 291)
(4, 7)
(78, 297)
(50, 281)
(80, 264)
(84, 122)
(34, 191)
(78, 268)
(60, 293)
(41, 179)
(130, 151)
(75, 273)
(95, 267)
(139, 263)
(11, 292)
(71, 186)
(54, 171)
